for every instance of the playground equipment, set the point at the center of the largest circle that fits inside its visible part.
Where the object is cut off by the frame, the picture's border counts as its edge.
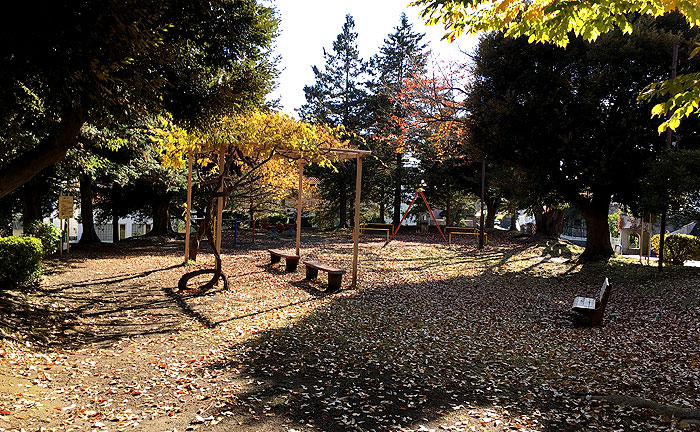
(374, 226)
(470, 231)
(329, 153)
(419, 192)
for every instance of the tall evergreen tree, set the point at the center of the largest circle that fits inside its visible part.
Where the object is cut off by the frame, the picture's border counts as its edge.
(338, 98)
(402, 56)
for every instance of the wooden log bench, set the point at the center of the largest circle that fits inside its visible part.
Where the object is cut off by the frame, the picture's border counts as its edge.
(290, 260)
(593, 308)
(335, 275)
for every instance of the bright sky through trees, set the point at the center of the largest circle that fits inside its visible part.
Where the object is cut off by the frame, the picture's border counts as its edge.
(307, 26)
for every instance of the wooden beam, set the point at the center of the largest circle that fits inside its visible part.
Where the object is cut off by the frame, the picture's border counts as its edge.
(356, 225)
(220, 202)
(188, 216)
(300, 196)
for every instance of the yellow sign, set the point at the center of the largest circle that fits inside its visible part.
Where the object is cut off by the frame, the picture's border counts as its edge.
(65, 207)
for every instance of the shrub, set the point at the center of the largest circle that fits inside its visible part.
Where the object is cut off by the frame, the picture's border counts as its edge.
(678, 248)
(49, 235)
(20, 261)
(613, 222)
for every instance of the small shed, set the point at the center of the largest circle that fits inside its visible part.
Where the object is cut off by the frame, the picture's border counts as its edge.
(635, 235)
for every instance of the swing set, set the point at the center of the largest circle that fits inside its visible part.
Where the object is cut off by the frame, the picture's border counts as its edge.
(419, 192)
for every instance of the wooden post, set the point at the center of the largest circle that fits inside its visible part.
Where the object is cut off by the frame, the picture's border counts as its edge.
(188, 216)
(220, 202)
(356, 225)
(67, 235)
(481, 217)
(669, 138)
(300, 195)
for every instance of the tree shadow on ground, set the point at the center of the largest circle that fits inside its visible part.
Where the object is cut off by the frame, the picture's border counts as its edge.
(90, 312)
(401, 355)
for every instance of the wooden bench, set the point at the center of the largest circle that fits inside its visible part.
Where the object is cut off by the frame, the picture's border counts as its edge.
(335, 275)
(290, 260)
(471, 233)
(593, 308)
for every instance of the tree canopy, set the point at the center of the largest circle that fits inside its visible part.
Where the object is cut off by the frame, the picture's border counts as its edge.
(570, 118)
(66, 64)
(556, 21)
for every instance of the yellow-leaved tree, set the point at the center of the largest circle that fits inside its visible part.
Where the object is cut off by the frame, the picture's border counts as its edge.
(261, 150)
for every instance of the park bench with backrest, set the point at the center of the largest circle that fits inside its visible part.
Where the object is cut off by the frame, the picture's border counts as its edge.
(290, 260)
(335, 275)
(593, 308)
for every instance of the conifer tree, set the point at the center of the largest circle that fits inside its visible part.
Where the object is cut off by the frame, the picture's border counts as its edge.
(338, 98)
(402, 56)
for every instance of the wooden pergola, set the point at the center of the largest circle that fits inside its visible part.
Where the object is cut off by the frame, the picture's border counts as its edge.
(325, 153)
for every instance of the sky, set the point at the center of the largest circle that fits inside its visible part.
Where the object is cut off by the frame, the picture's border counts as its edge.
(307, 26)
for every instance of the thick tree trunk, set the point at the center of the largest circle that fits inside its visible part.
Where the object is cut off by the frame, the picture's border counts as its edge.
(51, 150)
(550, 223)
(161, 217)
(86, 211)
(31, 202)
(343, 203)
(492, 205)
(397, 190)
(595, 212)
(513, 222)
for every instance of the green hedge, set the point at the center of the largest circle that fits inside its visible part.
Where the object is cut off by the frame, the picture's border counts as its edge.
(49, 235)
(20, 261)
(678, 248)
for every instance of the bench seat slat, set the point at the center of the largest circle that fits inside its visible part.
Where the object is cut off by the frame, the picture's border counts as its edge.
(290, 260)
(323, 267)
(584, 303)
(282, 253)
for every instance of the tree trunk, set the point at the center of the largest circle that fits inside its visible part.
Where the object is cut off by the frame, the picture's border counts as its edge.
(196, 239)
(492, 205)
(31, 202)
(397, 190)
(448, 217)
(115, 227)
(51, 150)
(595, 212)
(382, 209)
(550, 223)
(514, 221)
(343, 203)
(86, 211)
(161, 217)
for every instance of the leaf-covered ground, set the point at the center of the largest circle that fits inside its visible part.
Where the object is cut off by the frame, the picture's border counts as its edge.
(435, 337)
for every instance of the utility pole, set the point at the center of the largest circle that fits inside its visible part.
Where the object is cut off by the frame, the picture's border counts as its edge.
(669, 136)
(481, 217)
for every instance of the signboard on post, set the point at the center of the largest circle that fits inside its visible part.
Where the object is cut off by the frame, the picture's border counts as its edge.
(65, 207)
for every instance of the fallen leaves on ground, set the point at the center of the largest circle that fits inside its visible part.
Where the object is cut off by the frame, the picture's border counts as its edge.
(435, 337)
